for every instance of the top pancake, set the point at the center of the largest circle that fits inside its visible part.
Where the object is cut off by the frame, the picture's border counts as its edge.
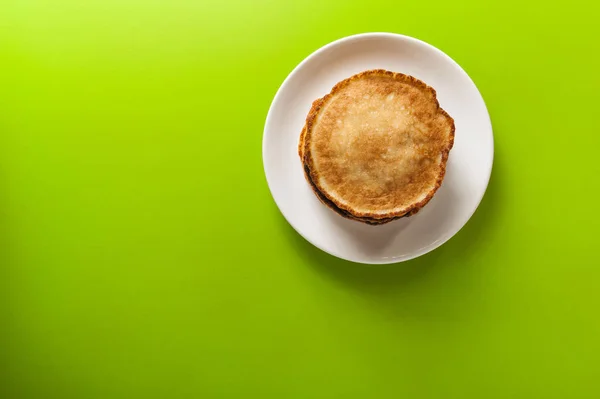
(377, 145)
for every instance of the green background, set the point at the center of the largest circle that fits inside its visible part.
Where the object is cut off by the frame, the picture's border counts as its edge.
(141, 255)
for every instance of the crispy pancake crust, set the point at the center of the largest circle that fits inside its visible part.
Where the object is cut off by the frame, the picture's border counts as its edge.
(405, 117)
(330, 204)
(324, 199)
(337, 210)
(319, 195)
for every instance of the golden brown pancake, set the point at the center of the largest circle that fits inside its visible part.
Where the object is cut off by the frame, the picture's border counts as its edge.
(320, 196)
(327, 202)
(375, 148)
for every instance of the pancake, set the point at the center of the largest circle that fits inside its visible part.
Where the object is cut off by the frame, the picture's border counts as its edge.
(320, 196)
(375, 148)
(326, 201)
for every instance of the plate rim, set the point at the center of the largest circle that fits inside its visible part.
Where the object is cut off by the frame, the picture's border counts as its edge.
(422, 251)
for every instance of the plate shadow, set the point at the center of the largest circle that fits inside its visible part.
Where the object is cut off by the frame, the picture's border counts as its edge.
(384, 279)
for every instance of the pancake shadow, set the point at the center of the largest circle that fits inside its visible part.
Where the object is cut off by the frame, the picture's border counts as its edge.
(372, 240)
(383, 280)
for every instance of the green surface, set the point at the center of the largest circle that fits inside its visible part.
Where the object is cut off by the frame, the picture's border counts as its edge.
(141, 255)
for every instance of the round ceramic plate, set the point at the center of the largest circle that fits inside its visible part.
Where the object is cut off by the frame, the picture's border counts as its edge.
(468, 169)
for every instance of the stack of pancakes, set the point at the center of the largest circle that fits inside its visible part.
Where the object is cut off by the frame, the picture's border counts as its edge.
(375, 148)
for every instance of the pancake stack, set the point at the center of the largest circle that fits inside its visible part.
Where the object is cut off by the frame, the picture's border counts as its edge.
(375, 148)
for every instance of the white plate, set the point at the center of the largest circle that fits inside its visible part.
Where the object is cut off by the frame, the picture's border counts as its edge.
(469, 164)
